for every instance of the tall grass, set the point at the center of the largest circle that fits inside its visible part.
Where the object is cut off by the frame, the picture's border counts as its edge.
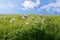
(27, 29)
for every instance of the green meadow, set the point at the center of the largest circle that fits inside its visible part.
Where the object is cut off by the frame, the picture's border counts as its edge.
(29, 27)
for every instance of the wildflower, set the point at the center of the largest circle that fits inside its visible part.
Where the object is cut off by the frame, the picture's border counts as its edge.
(43, 20)
(26, 24)
(35, 22)
(12, 20)
(32, 18)
(39, 15)
(25, 16)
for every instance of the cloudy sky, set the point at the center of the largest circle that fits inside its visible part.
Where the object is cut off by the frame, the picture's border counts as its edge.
(30, 6)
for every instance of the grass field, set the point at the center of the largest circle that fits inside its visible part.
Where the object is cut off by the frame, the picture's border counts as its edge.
(29, 27)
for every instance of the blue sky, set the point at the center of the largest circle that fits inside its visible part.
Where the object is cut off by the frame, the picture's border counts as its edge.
(30, 6)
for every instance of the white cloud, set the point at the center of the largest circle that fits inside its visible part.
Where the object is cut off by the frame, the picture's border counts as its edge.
(54, 6)
(28, 4)
(4, 6)
(57, 0)
(56, 9)
(10, 5)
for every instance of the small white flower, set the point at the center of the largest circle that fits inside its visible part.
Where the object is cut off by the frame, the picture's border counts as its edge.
(32, 18)
(39, 15)
(43, 20)
(12, 20)
(25, 15)
(35, 22)
(26, 24)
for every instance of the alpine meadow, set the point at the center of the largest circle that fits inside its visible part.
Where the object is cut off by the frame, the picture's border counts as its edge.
(29, 19)
(29, 27)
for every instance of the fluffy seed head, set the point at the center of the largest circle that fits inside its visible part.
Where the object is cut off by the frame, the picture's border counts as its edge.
(39, 15)
(44, 20)
(32, 18)
(25, 15)
(12, 20)
(35, 22)
(26, 24)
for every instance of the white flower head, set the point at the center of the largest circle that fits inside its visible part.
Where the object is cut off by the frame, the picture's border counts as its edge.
(26, 24)
(32, 18)
(12, 20)
(35, 22)
(43, 20)
(39, 15)
(24, 16)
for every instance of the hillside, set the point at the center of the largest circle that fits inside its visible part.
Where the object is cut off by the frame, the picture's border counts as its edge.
(29, 27)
